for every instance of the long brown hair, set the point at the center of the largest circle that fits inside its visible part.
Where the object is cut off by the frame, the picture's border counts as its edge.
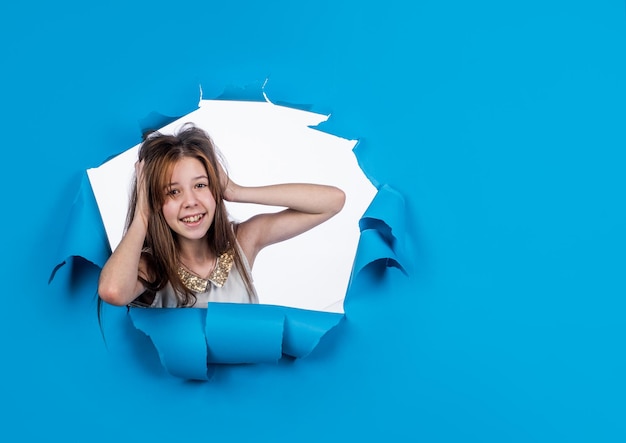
(160, 152)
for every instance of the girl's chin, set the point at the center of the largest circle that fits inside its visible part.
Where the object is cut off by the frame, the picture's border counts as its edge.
(192, 232)
(190, 238)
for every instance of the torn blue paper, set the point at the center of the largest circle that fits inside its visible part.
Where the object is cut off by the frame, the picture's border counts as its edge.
(178, 336)
(190, 342)
(84, 235)
(386, 214)
(383, 232)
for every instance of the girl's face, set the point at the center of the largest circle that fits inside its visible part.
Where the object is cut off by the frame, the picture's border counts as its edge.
(189, 205)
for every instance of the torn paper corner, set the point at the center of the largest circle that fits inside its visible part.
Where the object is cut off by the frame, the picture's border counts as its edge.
(383, 233)
(84, 235)
(387, 214)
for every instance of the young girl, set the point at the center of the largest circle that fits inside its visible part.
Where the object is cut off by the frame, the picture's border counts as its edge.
(180, 249)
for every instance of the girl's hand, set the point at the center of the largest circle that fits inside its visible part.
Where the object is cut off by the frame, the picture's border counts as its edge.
(119, 282)
(142, 209)
(228, 186)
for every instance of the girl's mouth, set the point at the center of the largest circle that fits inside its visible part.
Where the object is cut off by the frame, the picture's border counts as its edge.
(192, 218)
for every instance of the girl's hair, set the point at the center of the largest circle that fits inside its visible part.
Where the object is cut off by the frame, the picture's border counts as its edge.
(160, 152)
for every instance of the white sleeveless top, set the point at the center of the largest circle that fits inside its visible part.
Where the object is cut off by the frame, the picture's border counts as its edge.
(225, 285)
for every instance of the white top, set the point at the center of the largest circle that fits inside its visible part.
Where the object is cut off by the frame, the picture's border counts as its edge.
(225, 285)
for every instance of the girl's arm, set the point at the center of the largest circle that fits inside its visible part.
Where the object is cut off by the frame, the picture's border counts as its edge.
(119, 283)
(308, 205)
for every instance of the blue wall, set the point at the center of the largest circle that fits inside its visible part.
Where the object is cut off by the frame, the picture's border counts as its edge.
(502, 123)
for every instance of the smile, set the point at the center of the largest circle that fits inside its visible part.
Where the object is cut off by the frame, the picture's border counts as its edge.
(192, 218)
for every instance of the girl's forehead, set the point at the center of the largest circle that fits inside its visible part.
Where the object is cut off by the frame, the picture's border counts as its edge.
(186, 166)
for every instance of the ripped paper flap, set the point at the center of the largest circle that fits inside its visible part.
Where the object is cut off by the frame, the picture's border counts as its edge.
(84, 235)
(189, 341)
(386, 214)
(241, 333)
(383, 233)
(178, 336)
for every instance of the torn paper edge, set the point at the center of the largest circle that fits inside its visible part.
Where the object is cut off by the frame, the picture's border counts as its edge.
(379, 227)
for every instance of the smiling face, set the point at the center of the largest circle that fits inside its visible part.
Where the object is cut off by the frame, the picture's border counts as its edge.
(189, 206)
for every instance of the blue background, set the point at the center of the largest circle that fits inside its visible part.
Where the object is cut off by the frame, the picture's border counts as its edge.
(502, 123)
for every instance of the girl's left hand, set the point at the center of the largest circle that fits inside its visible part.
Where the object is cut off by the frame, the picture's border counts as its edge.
(228, 186)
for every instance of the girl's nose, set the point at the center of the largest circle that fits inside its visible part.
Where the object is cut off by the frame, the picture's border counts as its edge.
(190, 201)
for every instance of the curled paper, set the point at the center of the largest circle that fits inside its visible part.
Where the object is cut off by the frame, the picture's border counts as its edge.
(386, 214)
(190, 342)
(84, 235)
(383, 232)
(178, 336)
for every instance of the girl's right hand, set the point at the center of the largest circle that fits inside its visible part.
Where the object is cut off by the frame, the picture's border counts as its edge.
(142, 209)
(119, 282)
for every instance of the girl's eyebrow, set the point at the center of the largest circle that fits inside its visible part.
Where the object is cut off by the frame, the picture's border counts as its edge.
(200, 177)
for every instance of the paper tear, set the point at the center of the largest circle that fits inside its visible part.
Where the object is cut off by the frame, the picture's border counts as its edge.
(383, 233)
(387, 214)
(190, 342)
(267, 99)
(250, 93)
(177, 335)
(84, 235)
(154, 121)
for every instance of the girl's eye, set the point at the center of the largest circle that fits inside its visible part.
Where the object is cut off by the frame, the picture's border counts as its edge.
(172, 192)
(201, 185)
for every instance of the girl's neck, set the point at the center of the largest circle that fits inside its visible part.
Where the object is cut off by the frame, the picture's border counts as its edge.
(195, 252)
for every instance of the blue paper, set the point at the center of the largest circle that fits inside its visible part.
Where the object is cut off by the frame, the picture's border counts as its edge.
(242, 333)
(178, 337)
(84, 235)
(190, 341)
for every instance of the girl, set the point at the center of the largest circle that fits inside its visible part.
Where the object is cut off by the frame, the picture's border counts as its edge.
(180, 249)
